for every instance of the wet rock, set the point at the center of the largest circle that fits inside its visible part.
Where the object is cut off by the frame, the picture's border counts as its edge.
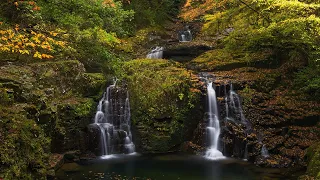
(56, 161)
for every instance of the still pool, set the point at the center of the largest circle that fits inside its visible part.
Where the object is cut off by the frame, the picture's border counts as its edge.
(164, 167)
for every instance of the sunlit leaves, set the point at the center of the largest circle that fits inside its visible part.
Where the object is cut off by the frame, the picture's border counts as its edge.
(29, 42)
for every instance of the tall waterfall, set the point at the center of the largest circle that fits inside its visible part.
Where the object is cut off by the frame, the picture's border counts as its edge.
(112, 120)
(156, 53)
(213, 128)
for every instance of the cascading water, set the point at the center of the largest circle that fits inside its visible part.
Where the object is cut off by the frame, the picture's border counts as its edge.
(113, 122)
(213, 128)
(234, 114)
(234, 110)
(185, 35)
(156, 53)
(264, 151)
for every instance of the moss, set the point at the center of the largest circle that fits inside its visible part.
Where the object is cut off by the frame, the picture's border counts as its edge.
(223, 59)
(39, 102)
(163, 97)
(71, 118)
(95, 84)
(24, 148)
(313, 155)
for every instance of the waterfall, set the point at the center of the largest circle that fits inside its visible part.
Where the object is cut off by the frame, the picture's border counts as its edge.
(113, 122)
(185, 35)
(234, 114)
(264, 151)
(213, 128)
(156, 53)
(234, 109)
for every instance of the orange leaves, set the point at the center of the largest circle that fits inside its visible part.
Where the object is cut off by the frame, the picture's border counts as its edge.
(37, 44)
(33, 4)
(109, 2)
(195, 8)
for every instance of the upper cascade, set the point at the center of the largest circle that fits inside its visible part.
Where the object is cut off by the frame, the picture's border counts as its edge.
(156, 53)
(112, 120)
(185, 35)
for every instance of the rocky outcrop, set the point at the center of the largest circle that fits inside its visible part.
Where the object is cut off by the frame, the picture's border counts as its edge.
(45, 108)
(165, 104)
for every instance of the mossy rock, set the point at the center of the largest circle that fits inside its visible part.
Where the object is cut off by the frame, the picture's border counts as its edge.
(24, 147)
(70, 120)
(223, 59)
(165, 103)
(313, 155)
(95, 84)
(40, 102)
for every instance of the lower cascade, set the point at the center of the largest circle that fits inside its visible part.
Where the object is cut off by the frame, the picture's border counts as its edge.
(213, 128)
(112, 123)
(156, 53)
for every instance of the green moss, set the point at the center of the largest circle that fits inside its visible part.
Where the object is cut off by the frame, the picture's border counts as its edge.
(95, 84)
(163, 98)
(24, 148)
(224, 59)
(313, 155)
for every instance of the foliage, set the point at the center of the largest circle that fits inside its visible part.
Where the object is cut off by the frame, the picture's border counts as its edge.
(153, 12)
(169, 90)
(85, 30)
(284, 32)
(308, 81)
(24, 148)
(18, 42)
(163, 97)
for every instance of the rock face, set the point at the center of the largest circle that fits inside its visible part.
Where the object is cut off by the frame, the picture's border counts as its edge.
(285, 122)
(165, 104)
(45, 108)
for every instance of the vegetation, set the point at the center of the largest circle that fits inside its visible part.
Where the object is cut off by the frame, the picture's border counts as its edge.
(172, 97)
(55, 56)
(283, 32)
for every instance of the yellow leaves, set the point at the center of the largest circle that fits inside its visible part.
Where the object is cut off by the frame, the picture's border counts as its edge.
(37, 55)
(17, 27)
(46, 56)
(38, 45)
(42, 56)
(54, 34)
(24, 52)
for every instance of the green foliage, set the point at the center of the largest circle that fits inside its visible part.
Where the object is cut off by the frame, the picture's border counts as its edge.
(308, 81)
(313, 155)
(163, 97)
(159, 89)
(93, 28)
(287, 29)
(24, 148)
(153, 12)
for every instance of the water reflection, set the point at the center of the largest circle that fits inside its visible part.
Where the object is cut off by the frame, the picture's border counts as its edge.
(161, 167)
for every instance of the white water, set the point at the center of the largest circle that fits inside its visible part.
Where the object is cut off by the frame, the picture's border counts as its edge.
(235, 106)
(185, 36)
(107, 120)
(213, 128)
(156, 53)
(264, 151)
